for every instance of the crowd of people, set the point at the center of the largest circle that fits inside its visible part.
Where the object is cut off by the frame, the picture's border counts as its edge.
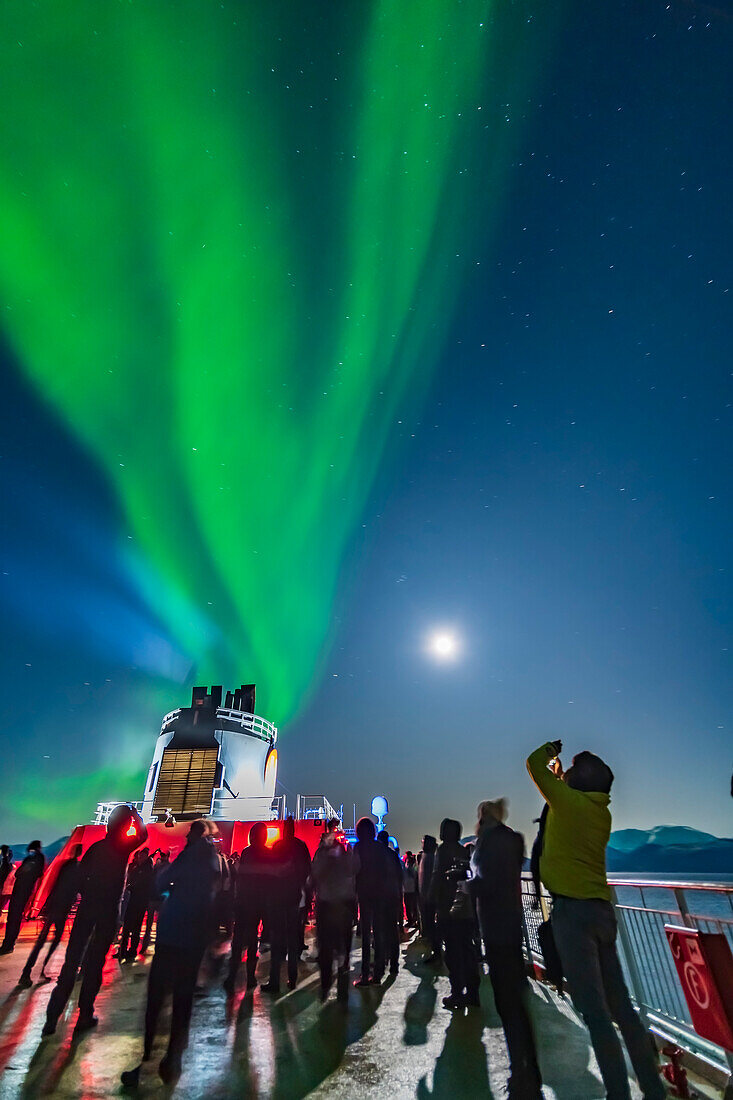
(462, 897)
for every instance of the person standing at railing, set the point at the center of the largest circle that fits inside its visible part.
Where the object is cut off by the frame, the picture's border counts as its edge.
(573, 868)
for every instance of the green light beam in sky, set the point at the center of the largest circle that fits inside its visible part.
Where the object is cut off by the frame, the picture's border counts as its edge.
(231, 243)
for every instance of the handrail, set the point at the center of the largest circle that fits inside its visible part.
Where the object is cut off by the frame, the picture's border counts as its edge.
(654, 884)
(644, 952)
(254, 722)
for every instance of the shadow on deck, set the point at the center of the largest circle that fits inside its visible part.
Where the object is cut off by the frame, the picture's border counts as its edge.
(393, 1041)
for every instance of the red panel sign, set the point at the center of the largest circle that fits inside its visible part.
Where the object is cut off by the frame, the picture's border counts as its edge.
(705, 969)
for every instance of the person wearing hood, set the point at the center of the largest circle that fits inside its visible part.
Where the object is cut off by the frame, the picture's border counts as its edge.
(573, 868)
(372, 892)
(187, 887)
(428, 927)
(497, 863)
(334, 871)
(393, 905)
(59, 904)
(101, 878)
(258, 887)
(26, 879)
(288, 922)
(454, 917)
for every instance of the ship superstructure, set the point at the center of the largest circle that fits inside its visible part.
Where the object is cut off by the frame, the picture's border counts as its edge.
(213, 760)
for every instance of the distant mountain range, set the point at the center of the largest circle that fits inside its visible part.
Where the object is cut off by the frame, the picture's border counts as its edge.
(49, 850)
(672, 849)
(665, 849)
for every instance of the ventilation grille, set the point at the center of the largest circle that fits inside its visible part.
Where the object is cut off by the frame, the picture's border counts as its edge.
(186, 783)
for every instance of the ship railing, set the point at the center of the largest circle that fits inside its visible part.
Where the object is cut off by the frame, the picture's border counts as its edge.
(314, 806)
(253, 723)
(247, 807)
(104, 809)
(643, 907)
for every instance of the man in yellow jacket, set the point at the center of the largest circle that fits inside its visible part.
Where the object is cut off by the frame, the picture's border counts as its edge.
(573, 868)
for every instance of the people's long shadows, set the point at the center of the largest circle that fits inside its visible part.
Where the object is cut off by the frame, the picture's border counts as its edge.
(9, 1004)
(420, 1005)
(14, 1034)
(302, 1056)
(303, 1061)
(563, 1049)
(461, 1068)
(48, 1065)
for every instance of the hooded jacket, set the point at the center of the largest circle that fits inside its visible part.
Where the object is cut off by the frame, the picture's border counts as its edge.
(497, 862)
(190, 882)
(373, 880)
(28, 874)
(335, 867)
(450, 854)
(573, 860)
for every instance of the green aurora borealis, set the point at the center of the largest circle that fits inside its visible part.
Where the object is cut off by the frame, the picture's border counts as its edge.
(233, 236)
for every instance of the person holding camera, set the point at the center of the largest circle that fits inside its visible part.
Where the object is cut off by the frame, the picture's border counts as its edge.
(573, 868)
(454, 915)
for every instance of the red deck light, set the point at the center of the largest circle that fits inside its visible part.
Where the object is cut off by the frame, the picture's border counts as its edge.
(273, 834)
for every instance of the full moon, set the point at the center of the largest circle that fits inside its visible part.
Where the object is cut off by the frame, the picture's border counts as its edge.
(443, 645)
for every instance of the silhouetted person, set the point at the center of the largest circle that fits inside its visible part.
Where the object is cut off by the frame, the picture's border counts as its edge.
(392, 905)
(335, 866)
(141, 884)
(156, 900)
(295, 858)
(573, 868)
(6, 865)
(428, 928)
(497, 863)
(102, 875)
(535, 854)
(188, 886)
(371, 886)
(26, 879)
(256, 886)
(454, 917)
(59, 904)
(409, 889)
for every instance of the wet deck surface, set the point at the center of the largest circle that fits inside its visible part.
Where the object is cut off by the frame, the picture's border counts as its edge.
(394, 1041)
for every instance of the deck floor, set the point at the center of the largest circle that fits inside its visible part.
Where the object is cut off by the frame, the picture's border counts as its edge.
(391, 1042)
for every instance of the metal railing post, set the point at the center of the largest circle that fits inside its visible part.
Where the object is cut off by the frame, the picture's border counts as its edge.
(637, 986)
(681, 902)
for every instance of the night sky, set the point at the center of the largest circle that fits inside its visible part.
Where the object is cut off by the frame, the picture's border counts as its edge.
(326, 327)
